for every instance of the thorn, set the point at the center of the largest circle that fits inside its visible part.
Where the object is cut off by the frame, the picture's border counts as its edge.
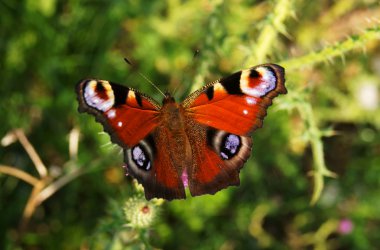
(107, 144)
(127, 61)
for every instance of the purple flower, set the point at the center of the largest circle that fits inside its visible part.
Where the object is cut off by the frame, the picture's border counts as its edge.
(345, 226)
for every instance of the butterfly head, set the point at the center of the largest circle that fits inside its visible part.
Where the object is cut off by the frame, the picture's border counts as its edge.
(168, 98)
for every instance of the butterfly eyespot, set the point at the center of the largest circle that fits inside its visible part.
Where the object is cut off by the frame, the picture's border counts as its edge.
(258, 82)
(99, 95)
(230, 146)
(225, 144)
(141, 158)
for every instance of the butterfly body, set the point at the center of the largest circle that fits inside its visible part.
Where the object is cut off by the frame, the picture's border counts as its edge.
(201, 143)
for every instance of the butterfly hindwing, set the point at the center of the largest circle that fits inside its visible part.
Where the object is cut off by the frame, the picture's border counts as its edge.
(151, 162)
(217, 157)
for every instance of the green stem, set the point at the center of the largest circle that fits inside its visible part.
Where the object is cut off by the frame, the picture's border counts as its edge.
(315, 136)
(144, 239)
(339, 49)
(275, 24)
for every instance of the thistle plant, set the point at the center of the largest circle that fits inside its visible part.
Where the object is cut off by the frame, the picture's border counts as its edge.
(130, 221)
(139, 212)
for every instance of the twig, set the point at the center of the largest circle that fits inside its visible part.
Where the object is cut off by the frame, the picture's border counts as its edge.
(55, 186)
(43, 188)
(41, 169)
(31, 205)
(19, 174)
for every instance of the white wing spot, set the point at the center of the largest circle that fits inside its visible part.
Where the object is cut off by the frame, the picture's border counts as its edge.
(250, 100)
(119, 124)
(111, 114)
(245, 112)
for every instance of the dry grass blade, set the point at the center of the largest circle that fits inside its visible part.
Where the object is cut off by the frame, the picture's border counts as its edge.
(73, 143)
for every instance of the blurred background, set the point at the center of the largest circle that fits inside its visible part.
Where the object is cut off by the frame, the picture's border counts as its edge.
(312, 182)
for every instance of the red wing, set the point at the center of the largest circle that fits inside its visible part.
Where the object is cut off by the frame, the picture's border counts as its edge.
(237, 103)
(156, 164)
(217, 157)
(221, 116)
(127, 115)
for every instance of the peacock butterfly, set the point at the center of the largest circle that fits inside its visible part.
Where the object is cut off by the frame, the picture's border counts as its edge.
(202, 142)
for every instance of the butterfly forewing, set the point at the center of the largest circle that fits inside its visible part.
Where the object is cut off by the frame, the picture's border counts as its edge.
(127, 115)
(237, 103)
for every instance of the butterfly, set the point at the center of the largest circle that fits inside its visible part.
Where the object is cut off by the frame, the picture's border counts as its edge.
(201, 143)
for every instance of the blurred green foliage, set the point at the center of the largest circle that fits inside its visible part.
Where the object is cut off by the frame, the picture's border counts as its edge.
(326, 126)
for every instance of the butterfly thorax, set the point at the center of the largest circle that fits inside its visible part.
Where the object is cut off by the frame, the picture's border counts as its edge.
(172, 115)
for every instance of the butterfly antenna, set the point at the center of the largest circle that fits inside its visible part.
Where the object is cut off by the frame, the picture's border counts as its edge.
(195, 55)
(146, 78)
(176, 88)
